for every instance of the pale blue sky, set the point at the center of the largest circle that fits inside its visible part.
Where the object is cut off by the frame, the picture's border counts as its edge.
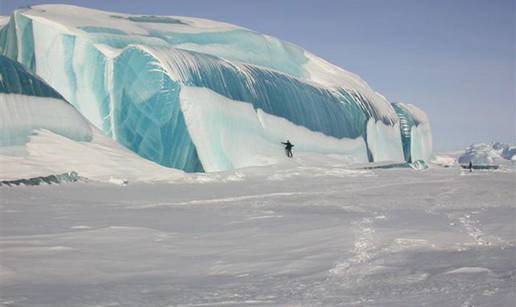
(453, 58)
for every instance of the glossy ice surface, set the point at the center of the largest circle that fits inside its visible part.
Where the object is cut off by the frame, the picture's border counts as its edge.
(127, 74)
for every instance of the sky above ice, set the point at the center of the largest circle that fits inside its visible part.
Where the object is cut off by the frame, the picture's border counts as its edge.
(455, 59)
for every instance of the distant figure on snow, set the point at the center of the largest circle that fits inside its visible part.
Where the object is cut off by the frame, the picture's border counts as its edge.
(288, 148)
(470, 166)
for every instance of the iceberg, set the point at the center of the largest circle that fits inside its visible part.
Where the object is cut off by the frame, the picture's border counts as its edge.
(200, 95)
(487, 154)
(506, 151)
(43, 139)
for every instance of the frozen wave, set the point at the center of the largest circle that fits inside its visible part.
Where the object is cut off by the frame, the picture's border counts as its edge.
(126, 73)
(42, 135)
(231, 134)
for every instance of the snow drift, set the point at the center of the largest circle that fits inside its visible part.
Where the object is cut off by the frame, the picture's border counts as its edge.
(130, 75)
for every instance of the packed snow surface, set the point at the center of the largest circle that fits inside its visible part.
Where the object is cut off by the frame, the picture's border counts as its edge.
(130, 75)
(305, 232)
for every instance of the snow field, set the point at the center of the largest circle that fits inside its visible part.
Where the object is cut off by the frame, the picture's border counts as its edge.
(294, 233)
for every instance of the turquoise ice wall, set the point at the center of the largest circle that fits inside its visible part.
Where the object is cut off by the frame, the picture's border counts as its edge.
(128, 84)
(146, 113)
(147, 82)
(407, 121)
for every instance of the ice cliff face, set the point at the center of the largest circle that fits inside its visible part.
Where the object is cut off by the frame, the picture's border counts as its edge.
(42, 135)
(169, 88)
(416, 135)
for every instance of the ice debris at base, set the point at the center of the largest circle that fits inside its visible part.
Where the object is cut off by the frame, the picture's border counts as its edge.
(487, 154)
(118, 181)
(388, 165)
(41, 135)
(131, 76)
(50, 179)
(419, 165)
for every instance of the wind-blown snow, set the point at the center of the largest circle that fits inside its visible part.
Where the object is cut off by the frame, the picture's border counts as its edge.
(125, 73)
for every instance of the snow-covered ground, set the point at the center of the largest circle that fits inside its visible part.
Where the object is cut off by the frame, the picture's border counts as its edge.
(305, 232)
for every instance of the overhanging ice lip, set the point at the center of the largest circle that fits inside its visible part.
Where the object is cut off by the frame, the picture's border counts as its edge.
(126, 74)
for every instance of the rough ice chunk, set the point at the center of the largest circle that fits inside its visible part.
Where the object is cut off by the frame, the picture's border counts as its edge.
(50, 179)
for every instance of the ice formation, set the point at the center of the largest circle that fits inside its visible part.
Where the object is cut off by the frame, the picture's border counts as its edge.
(50, 179)
(134, 76)
(488, 154)
(42, 135)
(416, 135)
(506, 151)
(230, 134)
(25, 102)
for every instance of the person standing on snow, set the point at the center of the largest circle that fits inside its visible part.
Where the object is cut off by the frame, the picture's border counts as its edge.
(288, 148)
(470, 166)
